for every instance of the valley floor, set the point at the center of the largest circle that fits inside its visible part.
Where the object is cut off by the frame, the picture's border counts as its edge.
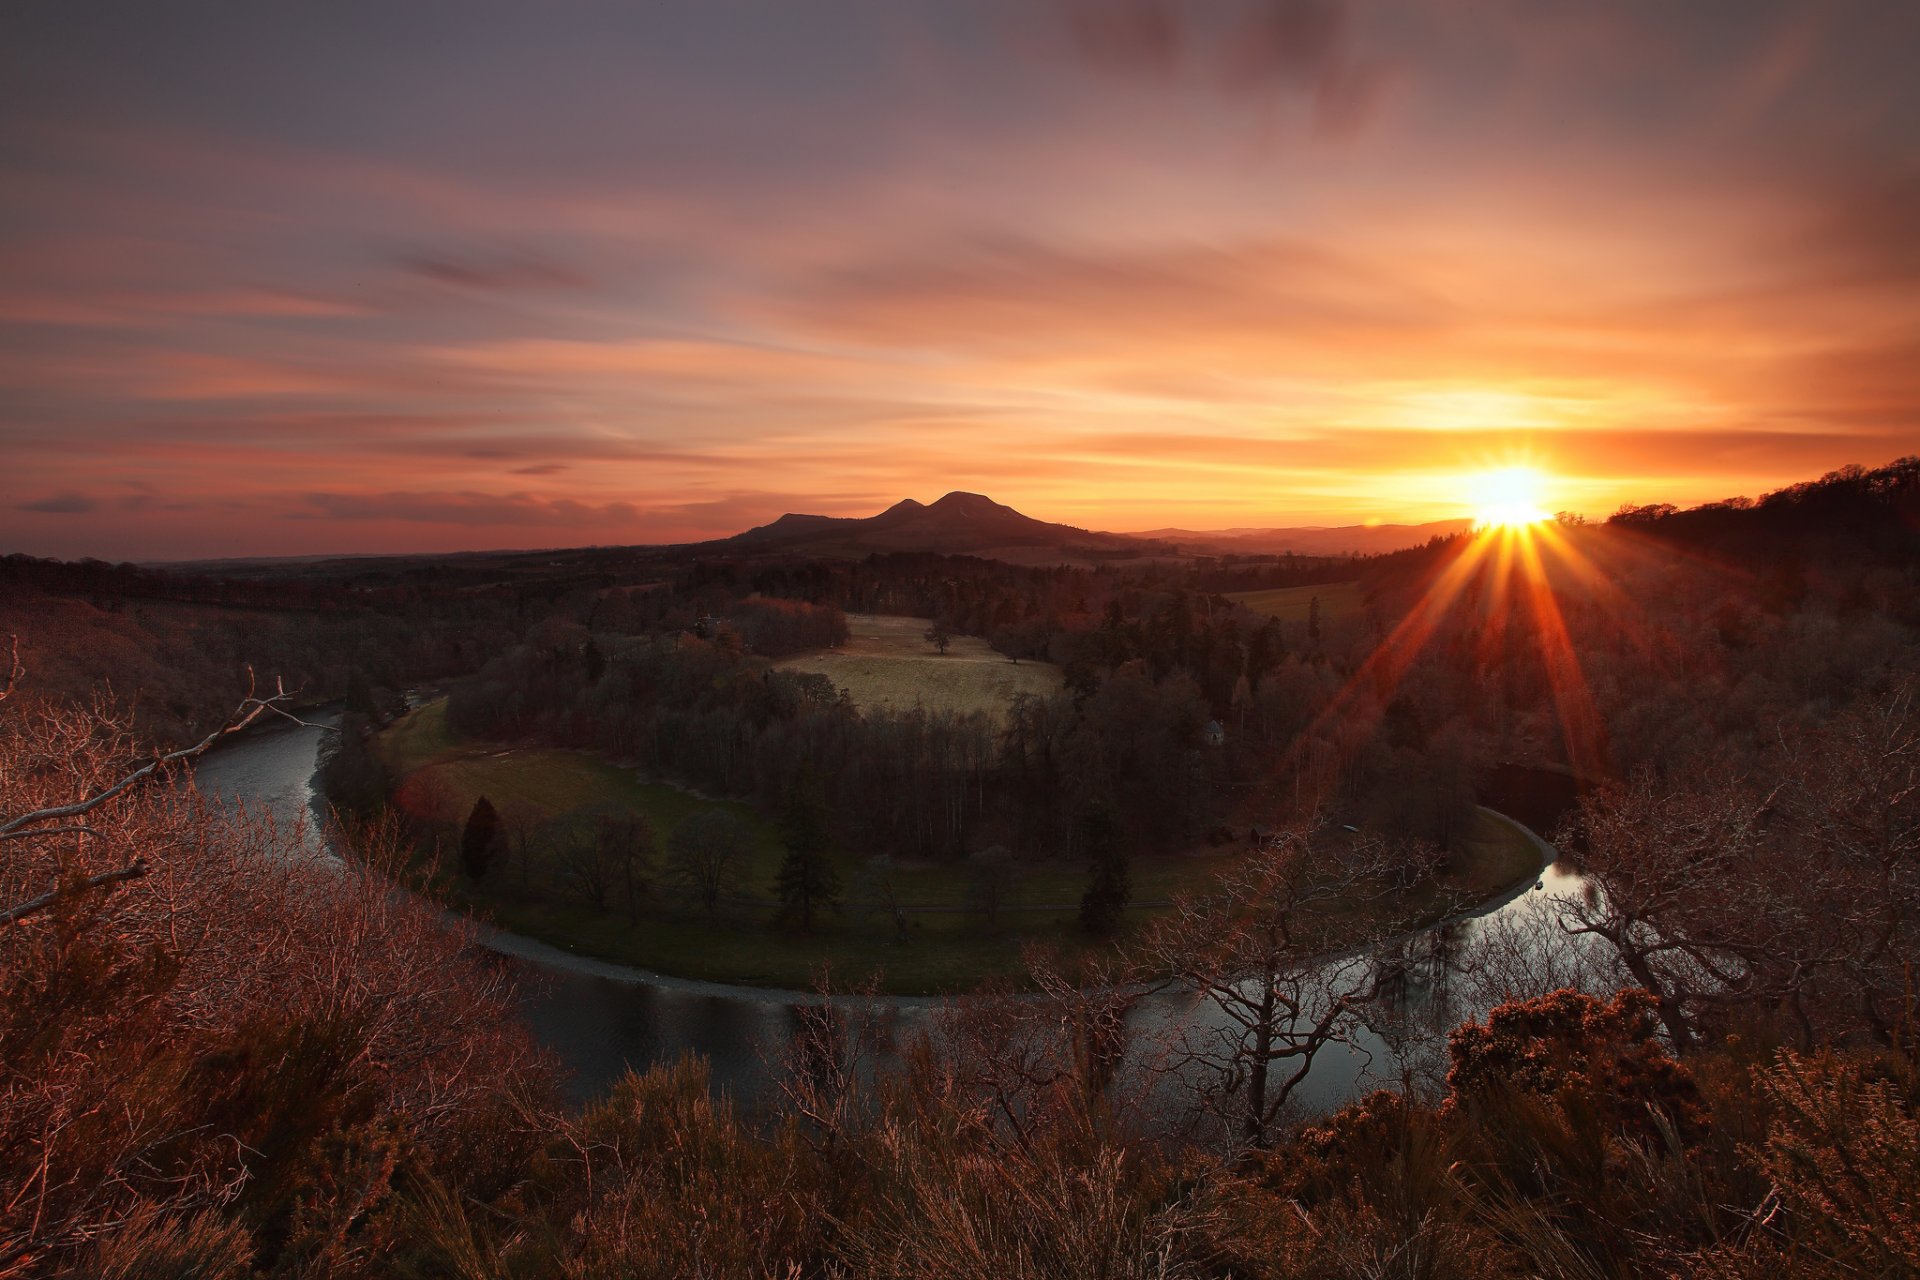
(947, 946)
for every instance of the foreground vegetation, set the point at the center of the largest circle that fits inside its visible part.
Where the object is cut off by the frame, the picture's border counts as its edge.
(216, 1065)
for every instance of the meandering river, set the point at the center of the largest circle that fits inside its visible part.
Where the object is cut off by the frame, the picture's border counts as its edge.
(600, 1019)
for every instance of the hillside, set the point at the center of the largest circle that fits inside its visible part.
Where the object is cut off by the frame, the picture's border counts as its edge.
(959, 523)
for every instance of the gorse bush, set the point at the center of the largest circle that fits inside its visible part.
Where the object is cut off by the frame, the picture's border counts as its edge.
(199, 1017)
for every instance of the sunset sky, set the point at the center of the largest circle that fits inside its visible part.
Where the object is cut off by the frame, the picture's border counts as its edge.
(345, 278)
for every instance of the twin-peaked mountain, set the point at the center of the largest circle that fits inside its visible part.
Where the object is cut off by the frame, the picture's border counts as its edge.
(958, 524)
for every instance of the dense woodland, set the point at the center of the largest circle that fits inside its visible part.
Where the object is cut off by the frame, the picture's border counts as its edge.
(215, 1064)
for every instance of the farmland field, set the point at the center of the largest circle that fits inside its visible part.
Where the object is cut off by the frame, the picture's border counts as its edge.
(1290, 604)
(887, 662)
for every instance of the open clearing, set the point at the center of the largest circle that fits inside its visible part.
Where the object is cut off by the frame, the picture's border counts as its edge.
(1290, 604)
(887, 662)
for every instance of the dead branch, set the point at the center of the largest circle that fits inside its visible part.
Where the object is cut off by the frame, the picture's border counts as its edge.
(251, 708)
(133, 871)
(32, 833)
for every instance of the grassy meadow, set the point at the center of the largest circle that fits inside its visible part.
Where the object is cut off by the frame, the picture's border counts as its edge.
(1291, 604)
(887, 662)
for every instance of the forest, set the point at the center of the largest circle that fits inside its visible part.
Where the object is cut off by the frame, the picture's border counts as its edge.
(217, 1062)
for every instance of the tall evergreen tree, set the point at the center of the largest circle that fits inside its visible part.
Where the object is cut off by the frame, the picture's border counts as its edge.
(807, 883)
(1265, 650)
(478, 840)
(1109, 886)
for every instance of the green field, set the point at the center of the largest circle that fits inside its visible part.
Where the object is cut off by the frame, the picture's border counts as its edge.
(1290, 604)
(887, 662)
(947, 948)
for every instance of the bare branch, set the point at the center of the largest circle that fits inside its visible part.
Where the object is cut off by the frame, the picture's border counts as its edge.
(30, 833)
(251, 708)
(133, 871)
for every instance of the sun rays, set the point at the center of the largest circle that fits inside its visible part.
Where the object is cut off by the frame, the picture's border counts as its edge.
(1499, 595)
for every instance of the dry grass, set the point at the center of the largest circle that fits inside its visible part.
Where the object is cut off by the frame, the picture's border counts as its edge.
(887, 662)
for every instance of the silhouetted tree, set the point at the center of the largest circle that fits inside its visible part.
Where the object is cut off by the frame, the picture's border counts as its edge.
(1109, 886)
(1255, 946)
(351, 776)
(477, 841)
(705, 854)
(624, 841)
(807, 883)
(989, 881)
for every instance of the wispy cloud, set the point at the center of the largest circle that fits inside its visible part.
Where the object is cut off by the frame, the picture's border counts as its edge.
(1124, 262)
(63, 504)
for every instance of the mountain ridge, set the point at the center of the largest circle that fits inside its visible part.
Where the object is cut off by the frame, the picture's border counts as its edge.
(957, 522)
(963, 522)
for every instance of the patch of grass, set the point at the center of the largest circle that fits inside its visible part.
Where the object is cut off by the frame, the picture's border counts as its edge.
(1291, 604)
(1495, 856)
(416, 738)
(947, 948)
(887, 662)
(533, 785)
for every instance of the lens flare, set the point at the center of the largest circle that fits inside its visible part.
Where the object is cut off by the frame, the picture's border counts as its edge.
(1508, 498)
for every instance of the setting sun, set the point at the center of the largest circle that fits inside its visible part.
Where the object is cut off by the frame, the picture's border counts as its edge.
(1507, 498)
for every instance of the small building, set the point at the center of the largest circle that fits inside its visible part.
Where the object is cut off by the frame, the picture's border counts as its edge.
(1213, 734)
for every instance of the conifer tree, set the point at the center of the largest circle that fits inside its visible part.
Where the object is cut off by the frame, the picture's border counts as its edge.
(1109, 886)
(478, 840)
(807, 883)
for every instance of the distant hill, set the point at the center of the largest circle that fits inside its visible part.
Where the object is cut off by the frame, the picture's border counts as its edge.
(958, 524)
(1350, 539)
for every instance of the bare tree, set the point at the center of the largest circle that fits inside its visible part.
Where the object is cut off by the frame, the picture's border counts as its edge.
(578, 867)
(1028, 1064)
(1278, 957)
(1692, 896)
(519, 823)
(706, 854)
(989, 881)
(603, 854)
(1854, 795)
(836, 1040)
(625, 840)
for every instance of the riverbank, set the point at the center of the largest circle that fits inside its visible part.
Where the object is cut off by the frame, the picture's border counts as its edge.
(906, 929)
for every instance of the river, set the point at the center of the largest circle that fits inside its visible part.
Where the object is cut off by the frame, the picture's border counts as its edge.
(599, 1019)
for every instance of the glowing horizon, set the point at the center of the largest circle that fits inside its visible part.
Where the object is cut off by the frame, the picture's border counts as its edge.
(281, 283)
